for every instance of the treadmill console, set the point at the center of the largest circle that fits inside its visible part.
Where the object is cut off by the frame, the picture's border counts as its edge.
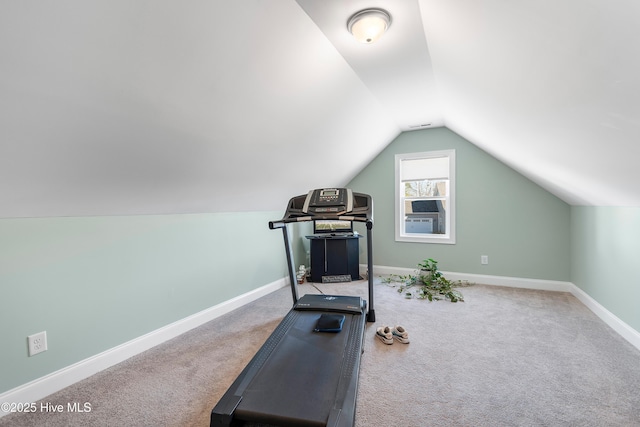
(340, 204)
(329, 201)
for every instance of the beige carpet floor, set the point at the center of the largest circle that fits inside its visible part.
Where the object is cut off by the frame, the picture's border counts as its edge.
(504, 357)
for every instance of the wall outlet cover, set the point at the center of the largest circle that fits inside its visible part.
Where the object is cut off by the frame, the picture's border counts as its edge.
(37, 343)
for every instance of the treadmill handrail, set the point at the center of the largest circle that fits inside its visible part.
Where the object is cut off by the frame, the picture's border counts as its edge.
(282, 222)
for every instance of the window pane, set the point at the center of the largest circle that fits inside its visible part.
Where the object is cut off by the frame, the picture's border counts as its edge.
(425, 216)
(425, 188)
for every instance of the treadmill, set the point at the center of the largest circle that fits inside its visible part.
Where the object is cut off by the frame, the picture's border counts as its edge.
(301, 377)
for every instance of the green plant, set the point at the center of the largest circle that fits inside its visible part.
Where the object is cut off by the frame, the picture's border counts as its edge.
(429, 281)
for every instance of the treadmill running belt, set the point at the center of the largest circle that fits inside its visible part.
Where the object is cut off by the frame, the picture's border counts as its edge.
(300, 377)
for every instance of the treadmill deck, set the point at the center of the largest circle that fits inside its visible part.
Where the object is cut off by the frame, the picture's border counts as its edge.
(300, 377)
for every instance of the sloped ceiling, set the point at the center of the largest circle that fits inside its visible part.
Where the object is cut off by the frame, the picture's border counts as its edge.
(549, 87)
(150, 107)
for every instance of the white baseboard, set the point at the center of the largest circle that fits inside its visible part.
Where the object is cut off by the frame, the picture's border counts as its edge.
(44, 386)
(624, 330)
(512, 282)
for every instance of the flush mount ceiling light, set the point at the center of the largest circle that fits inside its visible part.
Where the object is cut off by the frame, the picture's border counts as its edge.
(369, 25)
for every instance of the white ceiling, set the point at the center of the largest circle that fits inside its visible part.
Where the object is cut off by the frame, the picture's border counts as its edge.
(149, 107)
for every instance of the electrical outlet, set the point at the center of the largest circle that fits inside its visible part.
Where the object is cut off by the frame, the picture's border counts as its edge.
(37, 343)
(484, 259)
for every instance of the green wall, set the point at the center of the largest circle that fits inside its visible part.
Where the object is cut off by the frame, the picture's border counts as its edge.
(521, 227)
(605, 249)
(96, 282)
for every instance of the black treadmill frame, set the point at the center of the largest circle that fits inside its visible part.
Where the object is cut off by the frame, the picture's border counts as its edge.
(314, 373)
(362, 211)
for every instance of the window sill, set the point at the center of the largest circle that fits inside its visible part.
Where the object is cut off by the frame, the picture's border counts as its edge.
(445, 240)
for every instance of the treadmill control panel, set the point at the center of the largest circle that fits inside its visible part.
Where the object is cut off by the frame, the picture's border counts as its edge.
(329, 200)
(329, 195)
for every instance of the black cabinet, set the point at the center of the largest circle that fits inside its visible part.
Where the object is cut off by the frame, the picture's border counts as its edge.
(334, 256)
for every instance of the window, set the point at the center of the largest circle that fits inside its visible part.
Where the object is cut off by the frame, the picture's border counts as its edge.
(425, 197)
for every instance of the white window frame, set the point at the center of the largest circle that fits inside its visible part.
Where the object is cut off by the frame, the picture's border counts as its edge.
(450, 220)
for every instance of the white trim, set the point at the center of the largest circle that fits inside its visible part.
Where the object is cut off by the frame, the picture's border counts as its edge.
(512, 282)
(624, 330)
(55, 381)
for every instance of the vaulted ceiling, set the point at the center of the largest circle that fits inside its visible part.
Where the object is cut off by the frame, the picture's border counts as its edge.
(148, 107)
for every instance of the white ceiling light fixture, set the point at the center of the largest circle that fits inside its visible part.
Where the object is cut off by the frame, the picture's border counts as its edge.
(369, 25)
